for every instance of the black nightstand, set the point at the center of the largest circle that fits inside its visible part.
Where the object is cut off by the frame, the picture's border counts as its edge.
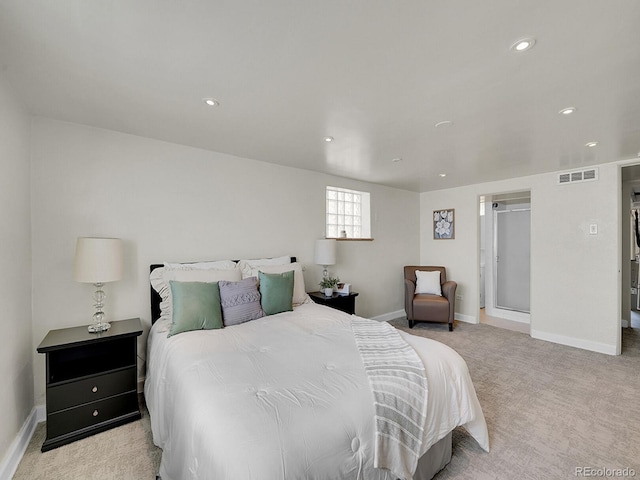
(340, 301)
(91, 380)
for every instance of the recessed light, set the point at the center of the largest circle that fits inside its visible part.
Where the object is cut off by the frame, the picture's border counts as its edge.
(567, 111)
(212, 102)
(328, 139)
(443, 123)
(591, 144)
(396, 160)
(442, 175)
(523, 45)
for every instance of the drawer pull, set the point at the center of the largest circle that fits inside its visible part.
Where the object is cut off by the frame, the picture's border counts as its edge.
(94, 389)
(95, 413)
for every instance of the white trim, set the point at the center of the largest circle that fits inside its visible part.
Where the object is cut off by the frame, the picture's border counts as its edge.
(624, 323)
(141, 384)
(19, 445)
(575, 342)
(385, 317)
(509, 314)
(466, 318)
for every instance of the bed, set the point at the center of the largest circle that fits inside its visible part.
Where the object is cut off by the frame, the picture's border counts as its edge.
(287, 396)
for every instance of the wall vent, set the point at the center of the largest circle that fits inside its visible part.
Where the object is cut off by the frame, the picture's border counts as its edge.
(578, 176)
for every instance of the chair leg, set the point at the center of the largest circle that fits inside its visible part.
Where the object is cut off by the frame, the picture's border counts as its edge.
(411, 323)
(451, 327)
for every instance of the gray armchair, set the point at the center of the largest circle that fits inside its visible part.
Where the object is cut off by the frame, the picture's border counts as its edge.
(425, 307)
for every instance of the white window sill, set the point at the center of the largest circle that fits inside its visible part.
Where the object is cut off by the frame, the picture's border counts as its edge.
(350, 239)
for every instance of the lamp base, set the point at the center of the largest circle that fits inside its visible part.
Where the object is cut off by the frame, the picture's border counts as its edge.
(325, 272)
(99, 327)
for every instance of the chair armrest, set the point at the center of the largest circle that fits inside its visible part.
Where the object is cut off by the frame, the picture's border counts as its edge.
(449, 292)
(409, 292)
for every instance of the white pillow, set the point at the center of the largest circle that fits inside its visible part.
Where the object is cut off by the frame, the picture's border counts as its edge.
(247, 266)
(218, 265)
(299, 291)
(206, 276)
(428, 282)
(160, 278)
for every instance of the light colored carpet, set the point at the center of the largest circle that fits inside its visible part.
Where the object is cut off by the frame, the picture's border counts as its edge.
(124, 453)
(549, 409)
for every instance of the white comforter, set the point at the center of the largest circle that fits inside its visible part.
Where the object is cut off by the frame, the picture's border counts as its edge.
(285, 396)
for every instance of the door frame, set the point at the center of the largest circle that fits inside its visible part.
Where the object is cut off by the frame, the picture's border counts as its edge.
(490, 309)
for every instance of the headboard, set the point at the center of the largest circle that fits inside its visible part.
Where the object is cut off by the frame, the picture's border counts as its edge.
(155, 296)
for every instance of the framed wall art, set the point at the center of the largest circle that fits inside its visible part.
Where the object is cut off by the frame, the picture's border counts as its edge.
(444, 224)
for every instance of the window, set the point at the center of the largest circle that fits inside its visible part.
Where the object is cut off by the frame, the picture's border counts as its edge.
(348, 214)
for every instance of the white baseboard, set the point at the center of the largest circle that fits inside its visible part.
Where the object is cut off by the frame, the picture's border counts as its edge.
(19, 445)
(575, 342)
(466, 318)
(509, 315)
(624, 323)
(385, 317)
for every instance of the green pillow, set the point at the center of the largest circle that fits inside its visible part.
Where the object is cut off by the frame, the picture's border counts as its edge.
(196, 306)
(276, 290)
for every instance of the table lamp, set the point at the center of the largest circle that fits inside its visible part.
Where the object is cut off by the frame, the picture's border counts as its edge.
(98, 261)
(325, 254)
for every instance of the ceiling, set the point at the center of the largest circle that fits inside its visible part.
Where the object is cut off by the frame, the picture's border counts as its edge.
(374, 75)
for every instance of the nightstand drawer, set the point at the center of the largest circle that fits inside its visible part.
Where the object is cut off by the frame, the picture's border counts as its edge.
(91, 414)
(98, 387)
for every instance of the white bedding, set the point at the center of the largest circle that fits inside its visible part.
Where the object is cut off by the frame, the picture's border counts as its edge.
(285, 396)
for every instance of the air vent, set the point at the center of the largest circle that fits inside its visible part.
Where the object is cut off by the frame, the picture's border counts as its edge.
(578, 176)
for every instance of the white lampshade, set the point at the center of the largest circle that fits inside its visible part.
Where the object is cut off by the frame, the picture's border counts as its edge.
(98, 260)
(325, 252)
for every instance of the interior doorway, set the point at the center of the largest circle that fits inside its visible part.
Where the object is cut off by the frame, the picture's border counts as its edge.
(630, 301)
(512, 254)
(505, 259)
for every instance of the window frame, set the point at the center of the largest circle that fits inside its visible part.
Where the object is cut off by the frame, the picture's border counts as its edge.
(347, 203)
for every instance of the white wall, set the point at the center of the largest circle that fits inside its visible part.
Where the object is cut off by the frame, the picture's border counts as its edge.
(16, 368)
(574, 275)
(174, 203)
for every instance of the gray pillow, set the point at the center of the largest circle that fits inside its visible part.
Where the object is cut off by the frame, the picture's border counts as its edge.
(240, 301)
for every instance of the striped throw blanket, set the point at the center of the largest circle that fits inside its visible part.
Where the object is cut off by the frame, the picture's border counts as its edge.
(399, 385)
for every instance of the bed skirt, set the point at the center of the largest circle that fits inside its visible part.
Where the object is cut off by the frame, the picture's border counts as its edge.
(434, 459)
